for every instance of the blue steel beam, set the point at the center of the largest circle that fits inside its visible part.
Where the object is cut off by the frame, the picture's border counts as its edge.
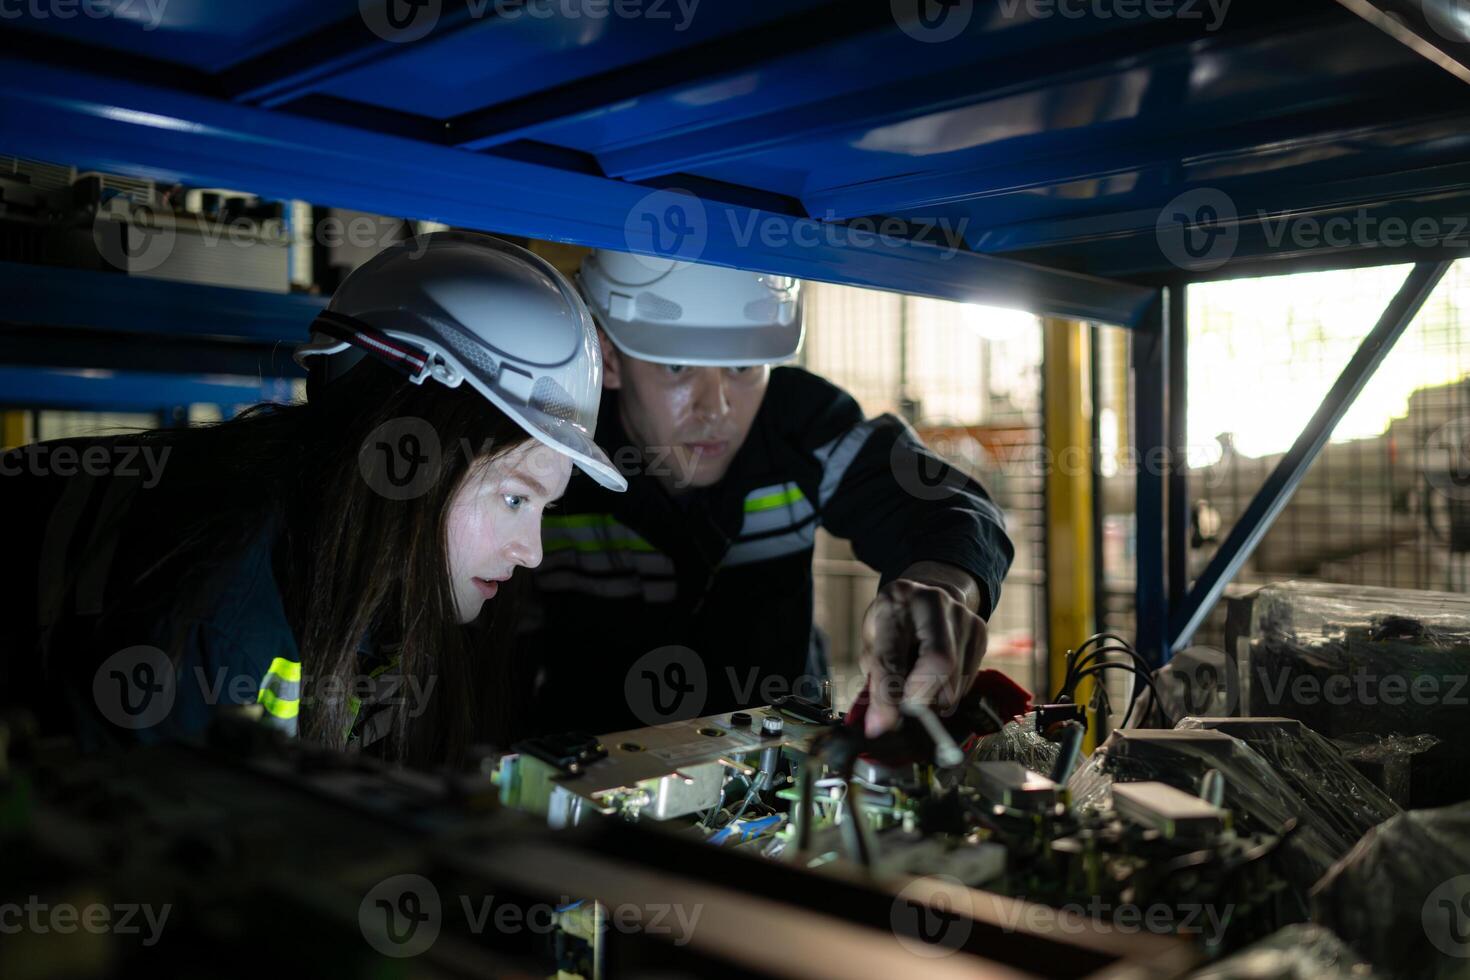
(116, 391)
(1276, 492)
(1352, 216)
(1150, 423)
(1073, 52)
(51, 296)
(697, 66)
(120, 126)
(1177, 433)
(296, 68)
(1242, 150)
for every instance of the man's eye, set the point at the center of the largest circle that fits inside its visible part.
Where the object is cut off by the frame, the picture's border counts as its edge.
(676, 368)
(739, 370)
(514, 501)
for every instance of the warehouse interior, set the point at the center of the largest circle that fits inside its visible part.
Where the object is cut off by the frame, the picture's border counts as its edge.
(1125, 377)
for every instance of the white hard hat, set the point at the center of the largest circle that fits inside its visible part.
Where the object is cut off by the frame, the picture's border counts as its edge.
(673, 312)
(460, 307)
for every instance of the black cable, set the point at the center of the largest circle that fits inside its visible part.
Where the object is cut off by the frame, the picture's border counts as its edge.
(1068, 683)
(1078, 659)
(1105, 638)
(1099, 669)
(1099, 637)
(1096, 652)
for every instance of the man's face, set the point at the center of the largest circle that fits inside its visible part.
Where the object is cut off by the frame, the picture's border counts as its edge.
(700, 415)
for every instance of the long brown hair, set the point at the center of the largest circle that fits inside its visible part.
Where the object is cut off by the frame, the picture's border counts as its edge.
(362, 552)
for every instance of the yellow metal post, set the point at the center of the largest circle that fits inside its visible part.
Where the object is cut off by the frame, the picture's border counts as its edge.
(1069, 489)
(566, 258)
(14, 429)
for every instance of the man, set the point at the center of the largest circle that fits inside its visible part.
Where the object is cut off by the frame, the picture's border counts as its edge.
(691, 593)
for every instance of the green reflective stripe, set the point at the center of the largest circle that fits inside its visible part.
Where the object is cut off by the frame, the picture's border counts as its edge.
(278, 706)
(612, 544)
(286, 670)
(356, 706)
(773, 500)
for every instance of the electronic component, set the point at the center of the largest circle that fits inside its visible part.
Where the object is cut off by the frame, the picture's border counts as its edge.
(1049, 715)
(568, 752)
(1172, 812)
(658, 773)
(804, 708)
(1012, 784)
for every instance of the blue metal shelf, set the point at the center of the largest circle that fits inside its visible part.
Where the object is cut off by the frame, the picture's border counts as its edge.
(1070, 159)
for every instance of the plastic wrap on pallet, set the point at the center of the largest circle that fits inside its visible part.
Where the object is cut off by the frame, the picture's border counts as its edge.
(1260, 799)
(1197, 681)
(1019, 741)
(1385, 759)
(1382, 661)
(1339, 796)
(1402, 896)
(1303, 951)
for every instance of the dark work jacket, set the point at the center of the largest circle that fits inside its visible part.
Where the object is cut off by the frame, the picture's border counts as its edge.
(649, 607)
(103, 634)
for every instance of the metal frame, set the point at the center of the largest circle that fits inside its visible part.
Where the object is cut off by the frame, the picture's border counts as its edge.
(1166, 624)
(1150, 439)
(268, 122)
(105, 122)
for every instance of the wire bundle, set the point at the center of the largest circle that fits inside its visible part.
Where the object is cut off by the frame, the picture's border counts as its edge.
(1090, 660)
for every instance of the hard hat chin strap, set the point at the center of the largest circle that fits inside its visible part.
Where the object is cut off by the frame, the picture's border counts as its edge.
(410, 360)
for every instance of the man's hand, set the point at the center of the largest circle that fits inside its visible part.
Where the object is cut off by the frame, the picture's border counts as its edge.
(922, 641)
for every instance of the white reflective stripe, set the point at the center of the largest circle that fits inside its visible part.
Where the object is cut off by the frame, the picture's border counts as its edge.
(837, 456)
(643, 562)
(619, 587)
(763, 549)
(774, 518)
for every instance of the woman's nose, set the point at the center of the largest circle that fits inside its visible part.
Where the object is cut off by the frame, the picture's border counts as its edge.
(525, 549)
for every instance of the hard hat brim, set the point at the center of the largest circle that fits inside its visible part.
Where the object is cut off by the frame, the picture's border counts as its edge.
(704, 347)
(565, 437)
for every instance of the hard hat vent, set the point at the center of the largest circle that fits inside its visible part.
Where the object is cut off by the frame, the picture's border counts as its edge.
(653, 307)
(469, 348)
(763, 310)
(549, 397)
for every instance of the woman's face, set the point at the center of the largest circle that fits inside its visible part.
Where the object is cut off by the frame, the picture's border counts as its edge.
(494, 521)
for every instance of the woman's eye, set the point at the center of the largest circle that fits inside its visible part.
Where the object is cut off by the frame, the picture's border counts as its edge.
(677, 368)
(514, 501)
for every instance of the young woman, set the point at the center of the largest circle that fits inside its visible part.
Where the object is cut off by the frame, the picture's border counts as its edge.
(344, 563)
